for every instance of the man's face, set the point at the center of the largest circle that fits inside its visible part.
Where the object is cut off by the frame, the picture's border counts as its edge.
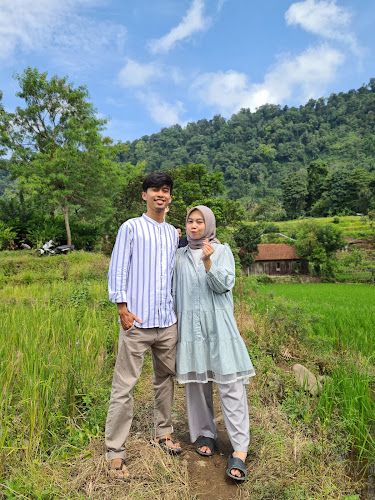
(157, 198)
(179, 232)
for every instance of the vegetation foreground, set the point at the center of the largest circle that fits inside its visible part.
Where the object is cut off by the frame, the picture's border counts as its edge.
(57, 349)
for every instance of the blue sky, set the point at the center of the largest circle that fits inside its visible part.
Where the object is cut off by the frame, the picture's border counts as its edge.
(150, 64)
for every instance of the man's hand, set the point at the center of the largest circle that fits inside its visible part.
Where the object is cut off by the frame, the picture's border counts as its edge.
(126, 318)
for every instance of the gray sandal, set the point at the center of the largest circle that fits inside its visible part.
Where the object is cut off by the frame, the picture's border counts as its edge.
(205, 441)
(236, 463)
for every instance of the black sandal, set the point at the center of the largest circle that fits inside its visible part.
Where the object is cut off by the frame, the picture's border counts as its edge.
(205, 441)
(236, 463)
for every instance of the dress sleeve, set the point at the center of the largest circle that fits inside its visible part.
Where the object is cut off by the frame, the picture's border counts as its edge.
(174, 286)
(221, 276)
(118, 273)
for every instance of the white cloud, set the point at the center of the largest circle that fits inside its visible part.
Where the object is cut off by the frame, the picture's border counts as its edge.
(162, 112)
(323, 18)
(135, 74)
(52, 26)
(224, 90)
(220, 4)
(192, 22)
(302, 77)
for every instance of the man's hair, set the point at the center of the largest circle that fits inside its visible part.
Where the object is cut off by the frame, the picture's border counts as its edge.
(178, 227)
(157, 179)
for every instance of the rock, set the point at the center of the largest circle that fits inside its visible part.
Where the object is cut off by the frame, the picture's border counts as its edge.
(306, 379)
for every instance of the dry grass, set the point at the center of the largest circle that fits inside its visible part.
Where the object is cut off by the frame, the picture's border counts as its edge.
(153, 475)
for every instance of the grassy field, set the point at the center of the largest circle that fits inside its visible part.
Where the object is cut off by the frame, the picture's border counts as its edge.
(342, 315)
(58, 343)
(354, 226)
(337, 322)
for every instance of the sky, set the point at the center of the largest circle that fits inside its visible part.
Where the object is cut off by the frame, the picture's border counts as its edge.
(150, 64)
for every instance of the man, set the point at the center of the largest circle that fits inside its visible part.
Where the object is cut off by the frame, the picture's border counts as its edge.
(139, 282)
(182, 241)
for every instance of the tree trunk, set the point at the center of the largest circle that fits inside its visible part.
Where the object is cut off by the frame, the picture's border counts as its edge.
(67, 225)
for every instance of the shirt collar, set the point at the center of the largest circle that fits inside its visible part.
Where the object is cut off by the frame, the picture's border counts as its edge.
(152, 221)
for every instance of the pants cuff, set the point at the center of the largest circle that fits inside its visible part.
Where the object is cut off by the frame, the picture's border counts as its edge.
(162, 432)
(111, 455)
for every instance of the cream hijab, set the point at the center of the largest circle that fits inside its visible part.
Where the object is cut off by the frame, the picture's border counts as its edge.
(210, 231)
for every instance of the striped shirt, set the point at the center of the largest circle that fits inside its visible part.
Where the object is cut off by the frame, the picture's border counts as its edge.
(141, 270)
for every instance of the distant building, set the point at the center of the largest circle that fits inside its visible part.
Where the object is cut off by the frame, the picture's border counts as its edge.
(277, 259)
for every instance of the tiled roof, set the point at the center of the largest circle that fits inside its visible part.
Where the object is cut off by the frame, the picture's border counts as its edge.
(275, 251)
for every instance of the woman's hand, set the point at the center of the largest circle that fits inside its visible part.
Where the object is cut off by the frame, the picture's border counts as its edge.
(207, 251)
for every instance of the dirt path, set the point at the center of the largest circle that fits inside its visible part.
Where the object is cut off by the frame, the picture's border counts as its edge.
(207, 474)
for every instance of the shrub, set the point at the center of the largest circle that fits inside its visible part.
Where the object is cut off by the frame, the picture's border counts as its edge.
(271, 228)
(7, 234)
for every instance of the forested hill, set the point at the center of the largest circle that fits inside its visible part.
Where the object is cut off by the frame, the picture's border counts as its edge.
(255, 151)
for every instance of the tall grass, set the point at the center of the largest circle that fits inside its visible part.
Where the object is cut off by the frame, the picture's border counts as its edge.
(56, 342)
(337, 322)
(348, 395)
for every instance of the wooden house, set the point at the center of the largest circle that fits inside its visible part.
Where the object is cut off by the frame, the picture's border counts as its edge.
(277, 259)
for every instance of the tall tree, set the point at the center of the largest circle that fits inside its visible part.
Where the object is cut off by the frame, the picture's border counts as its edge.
(247, 239)
(317, 173)
(58, 152)
(4, 119)
(194, 185)
(318, 244)
(194, 182)
(294, 193)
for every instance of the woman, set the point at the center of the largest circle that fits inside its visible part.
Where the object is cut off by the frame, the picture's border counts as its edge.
(210, 347)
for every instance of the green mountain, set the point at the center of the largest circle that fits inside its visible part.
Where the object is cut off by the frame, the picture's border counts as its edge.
(256, 151)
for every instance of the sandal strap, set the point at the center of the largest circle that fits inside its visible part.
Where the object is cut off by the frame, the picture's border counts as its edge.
(164, 446)
(164, 441)
(121, 466)
(236, 463)
(206, 441)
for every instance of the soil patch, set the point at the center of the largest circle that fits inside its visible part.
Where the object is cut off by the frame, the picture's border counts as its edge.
(207, 475)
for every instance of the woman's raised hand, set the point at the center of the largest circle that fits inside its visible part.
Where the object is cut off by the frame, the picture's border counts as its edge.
(207, 250)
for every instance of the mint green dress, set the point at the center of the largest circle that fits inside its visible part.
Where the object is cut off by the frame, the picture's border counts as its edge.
(210, 347)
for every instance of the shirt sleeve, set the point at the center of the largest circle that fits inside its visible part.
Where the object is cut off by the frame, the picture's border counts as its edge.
(221, 276)
(118, 273)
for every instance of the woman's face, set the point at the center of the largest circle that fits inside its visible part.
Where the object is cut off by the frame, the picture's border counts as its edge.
(195, 225)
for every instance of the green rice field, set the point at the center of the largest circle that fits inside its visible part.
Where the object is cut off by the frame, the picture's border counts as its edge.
(342, 315)
(57, 338)
(337, 322)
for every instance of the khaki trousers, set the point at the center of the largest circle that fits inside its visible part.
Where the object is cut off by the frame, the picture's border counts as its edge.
(133, 344)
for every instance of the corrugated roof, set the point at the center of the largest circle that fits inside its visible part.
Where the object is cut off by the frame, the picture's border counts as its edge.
(275, 251)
